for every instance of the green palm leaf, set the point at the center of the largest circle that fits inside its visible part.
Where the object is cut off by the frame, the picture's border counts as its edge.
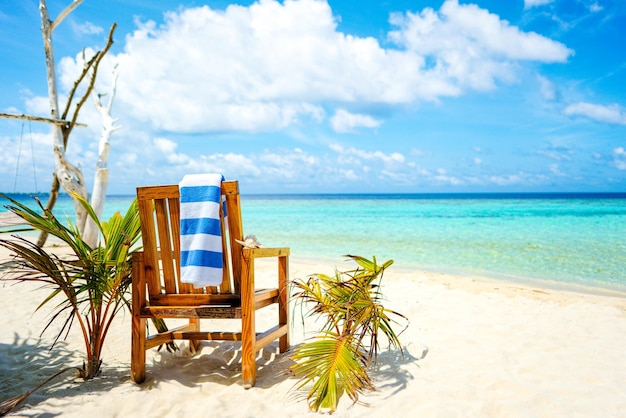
(350, 304)
(94, 281)
(333, 365)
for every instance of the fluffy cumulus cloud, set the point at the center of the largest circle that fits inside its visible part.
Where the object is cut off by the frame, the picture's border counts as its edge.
(273, 65)
(344, 121)
(470, 47)
(613, 114)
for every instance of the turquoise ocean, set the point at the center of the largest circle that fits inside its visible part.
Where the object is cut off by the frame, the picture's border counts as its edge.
(561, 239)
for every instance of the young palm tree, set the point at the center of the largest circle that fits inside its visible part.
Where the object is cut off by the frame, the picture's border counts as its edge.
(336, 361)
(93, 281)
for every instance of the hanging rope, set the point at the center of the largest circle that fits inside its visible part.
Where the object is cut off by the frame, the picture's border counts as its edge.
(32, 152)
(19, 153)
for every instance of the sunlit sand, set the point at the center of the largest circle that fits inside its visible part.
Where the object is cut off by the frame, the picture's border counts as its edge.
(473, 348)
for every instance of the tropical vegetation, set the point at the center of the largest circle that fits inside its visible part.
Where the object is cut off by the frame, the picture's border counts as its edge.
(93, 282)
(337, 360)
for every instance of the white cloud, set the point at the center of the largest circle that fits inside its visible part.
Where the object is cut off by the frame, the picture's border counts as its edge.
(419, 153)
(344, 121)
(443, 177)
(547, 88)
(555, 152)
(520, 178)
(595, 7)
(86, 28)
(556, 170)
(274, 64)
(507, 179)
(393, 158)
(613, 113)
(165, 145)
(470, 47)
(619, 155)
(128, 159)
(288, 164)
(534, 3)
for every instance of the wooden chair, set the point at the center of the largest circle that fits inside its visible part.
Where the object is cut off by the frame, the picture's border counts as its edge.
(158, 293)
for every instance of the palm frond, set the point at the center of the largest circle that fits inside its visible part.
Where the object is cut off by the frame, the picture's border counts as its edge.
(350, 303)
(94, 281)
(332, 365)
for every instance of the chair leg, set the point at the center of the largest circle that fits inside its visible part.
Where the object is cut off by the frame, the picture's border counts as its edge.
(138, 350)
(194, 324)
(248, 334)
(248, 359)
(283, 301)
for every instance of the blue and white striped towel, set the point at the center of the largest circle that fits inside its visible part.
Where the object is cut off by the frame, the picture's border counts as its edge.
(200, 233)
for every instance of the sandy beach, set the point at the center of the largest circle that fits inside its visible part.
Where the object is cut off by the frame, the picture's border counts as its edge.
(474, 348)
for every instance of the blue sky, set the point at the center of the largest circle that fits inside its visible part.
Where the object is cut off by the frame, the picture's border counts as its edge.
(331, 96)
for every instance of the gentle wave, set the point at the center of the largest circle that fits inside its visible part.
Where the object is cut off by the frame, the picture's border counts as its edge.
(565, 238)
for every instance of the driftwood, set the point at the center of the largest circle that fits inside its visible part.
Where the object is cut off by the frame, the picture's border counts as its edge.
(66, 175)
(101, 178)
(60, 122)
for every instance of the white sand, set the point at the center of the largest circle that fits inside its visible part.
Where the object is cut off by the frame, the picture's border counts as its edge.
(474, 348)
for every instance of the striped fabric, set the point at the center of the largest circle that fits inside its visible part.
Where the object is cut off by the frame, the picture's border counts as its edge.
(200, 233)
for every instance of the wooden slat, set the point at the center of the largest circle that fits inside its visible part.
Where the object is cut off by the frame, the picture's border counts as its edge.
(235, 232)
(209, 336)
(166, 337)
(191, 312)
(193, 299)
(173, 204)
(264, 252)
(165, 244)
(225, 287)
(148, 237)
(158, 192)
(264, 303)
(230, 187)
(158, 339)
(264, 294)
(272, 334)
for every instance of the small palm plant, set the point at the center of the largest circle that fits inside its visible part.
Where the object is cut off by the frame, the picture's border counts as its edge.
(337, 360)
(93, 281)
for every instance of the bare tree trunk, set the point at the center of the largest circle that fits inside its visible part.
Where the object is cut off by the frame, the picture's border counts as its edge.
(54, 193)
(70, 177)
(101, 180)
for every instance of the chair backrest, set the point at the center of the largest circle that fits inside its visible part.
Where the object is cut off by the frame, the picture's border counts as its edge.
(159, 212)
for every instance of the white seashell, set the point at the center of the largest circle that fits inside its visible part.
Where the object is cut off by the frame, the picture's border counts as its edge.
(250, 241)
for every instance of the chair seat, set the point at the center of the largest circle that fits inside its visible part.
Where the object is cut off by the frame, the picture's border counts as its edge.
(205, 306)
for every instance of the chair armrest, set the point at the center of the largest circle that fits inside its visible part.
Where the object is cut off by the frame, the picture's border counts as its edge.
(249, 253)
